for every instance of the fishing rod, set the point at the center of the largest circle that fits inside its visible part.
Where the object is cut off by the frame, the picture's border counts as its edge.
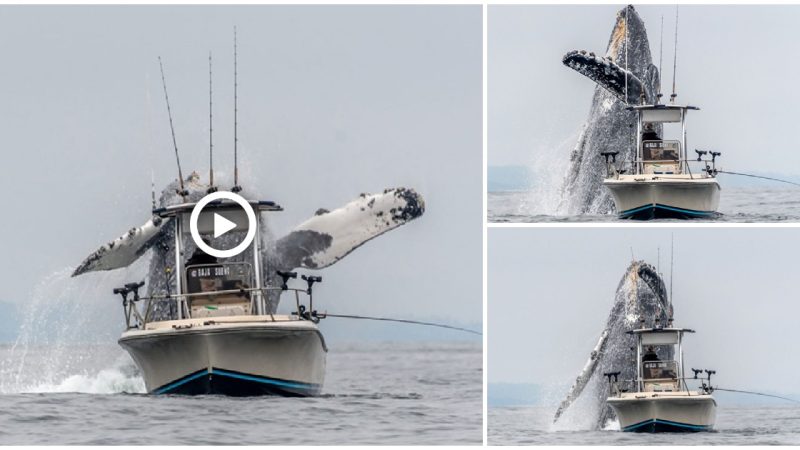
(758, 176)
(757, 393)
(414, 322)
(674, 58)
(236, 187)
(211, 187)
(183, 191)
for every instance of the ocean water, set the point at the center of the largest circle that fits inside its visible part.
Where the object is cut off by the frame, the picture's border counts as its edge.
(374, 393)
(736, 425)
(744, 204)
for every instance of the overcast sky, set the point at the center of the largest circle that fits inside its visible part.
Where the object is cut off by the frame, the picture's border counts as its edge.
(734, 62)
(550, 292)
(333, 102)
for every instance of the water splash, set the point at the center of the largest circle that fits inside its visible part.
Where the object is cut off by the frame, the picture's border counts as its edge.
(547, 168)
(67, 336)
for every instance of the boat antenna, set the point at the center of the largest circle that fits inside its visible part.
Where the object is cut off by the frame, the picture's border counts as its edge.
(182, 191)
(236, 187)
(627, 8)
(211, 187)
(660, 57)
(675, 58)
(153, 187)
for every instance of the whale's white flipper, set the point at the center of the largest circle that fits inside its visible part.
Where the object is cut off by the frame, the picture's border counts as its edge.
(330, 235)
(124, 250)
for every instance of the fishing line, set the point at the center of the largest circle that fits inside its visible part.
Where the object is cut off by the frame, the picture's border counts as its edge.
(757, 393)
(758, 176)
(415, 322)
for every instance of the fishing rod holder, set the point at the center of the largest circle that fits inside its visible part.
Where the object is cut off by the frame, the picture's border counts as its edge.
(306, 313)
(611, 169)
(285, 276)
(613, 380)
(712, 169)
(129, 305)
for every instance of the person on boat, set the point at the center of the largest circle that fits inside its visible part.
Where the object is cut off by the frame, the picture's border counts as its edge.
(201, 257)
(649, 133)
(650, 355)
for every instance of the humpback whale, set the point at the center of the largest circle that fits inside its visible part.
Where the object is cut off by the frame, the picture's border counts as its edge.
(641, 298)
(319, 242)
(624, 75)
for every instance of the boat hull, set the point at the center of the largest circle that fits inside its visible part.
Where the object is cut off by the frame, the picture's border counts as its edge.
(659, 413)
(236, 359)
(671, 198)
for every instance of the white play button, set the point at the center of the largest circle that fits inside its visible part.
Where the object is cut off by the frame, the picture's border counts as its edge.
(222, 225)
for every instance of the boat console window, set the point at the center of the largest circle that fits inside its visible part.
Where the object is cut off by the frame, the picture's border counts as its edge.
(659, 370)
(218, 277)
(219, 280)
(661, 150)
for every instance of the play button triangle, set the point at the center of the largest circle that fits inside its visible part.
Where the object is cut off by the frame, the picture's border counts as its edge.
(222, 225)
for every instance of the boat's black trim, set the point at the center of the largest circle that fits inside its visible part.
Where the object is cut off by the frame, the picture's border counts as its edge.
(665, 426)
(237, 384)
(659, 211)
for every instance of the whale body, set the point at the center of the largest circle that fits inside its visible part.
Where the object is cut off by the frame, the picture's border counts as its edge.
(319, 242)
(641, 298)
(624, 77)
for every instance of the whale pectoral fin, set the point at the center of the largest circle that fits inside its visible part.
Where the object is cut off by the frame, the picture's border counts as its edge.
(605, 73)
(330, 235)
(585, 375)
(124, 250)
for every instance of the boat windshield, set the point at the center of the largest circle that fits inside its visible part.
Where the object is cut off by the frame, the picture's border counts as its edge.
(655, 370)
(661, 150)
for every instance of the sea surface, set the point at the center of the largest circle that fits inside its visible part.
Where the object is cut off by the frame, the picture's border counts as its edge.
(736, 425)
(745, 204)
(374, 393)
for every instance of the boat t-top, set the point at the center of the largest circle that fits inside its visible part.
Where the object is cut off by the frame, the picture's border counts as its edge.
(222, 335)
(659, 399)
(659, 182)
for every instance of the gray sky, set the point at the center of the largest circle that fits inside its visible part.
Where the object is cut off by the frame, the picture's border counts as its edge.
(333, 101)
(550, 292)
(734, 62)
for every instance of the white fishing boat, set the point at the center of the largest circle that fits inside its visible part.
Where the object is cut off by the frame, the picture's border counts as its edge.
(226, 338)
(660, 183)
(659, 399)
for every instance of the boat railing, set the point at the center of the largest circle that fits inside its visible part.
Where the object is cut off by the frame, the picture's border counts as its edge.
(637, 166)
(136, 318)
(617, 387)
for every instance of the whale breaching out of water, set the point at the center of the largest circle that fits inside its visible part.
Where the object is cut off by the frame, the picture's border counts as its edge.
(319, 242)
(641, 298)
(609, 127)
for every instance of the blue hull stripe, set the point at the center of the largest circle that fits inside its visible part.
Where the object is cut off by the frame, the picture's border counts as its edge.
(281, 383)
(667, 422)
(689, 212)
(240, 376)
(180, 382)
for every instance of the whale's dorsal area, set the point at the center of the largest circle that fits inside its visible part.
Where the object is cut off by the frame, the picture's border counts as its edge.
(609, 125)
(641, 295)
(318, 242)
(331, 235)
